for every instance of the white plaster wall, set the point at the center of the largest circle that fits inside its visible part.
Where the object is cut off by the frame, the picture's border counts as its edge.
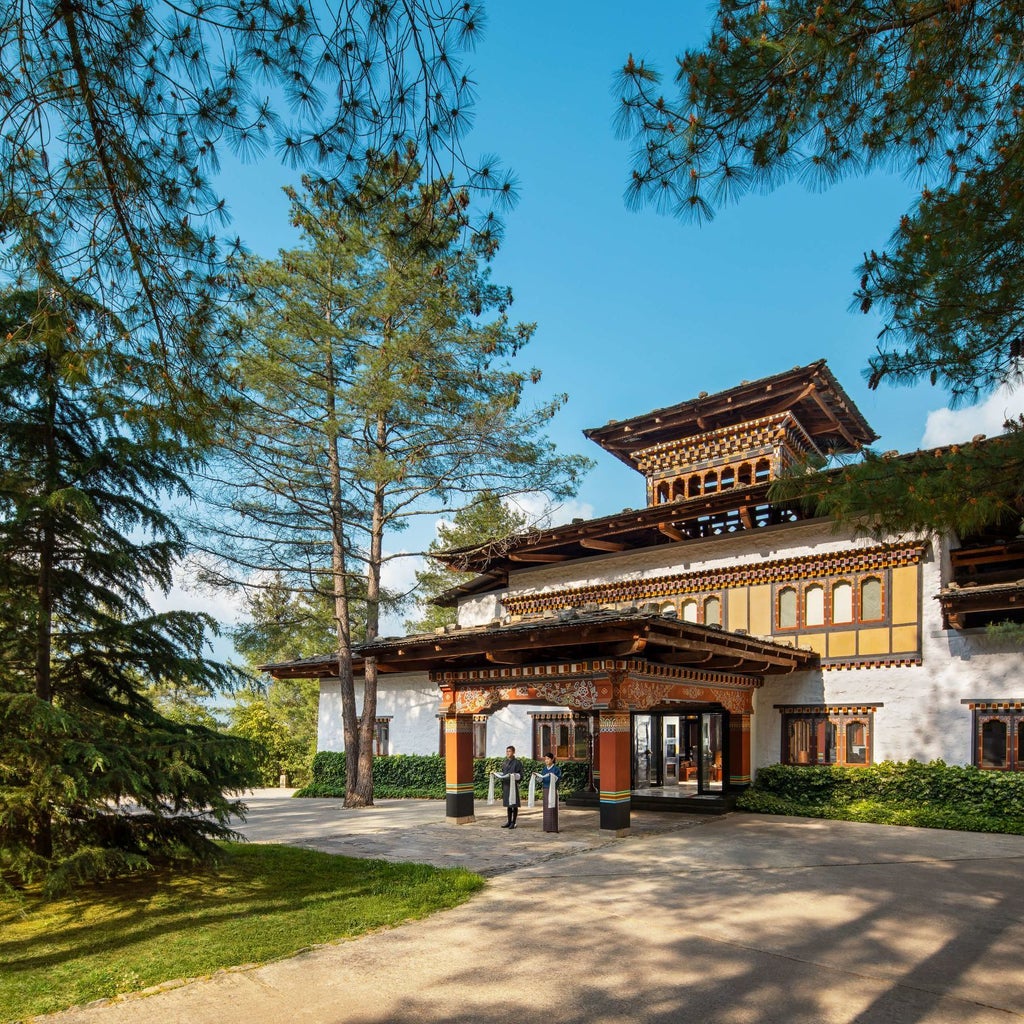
(772, 542)
(481, 609)
(409, 699)
(413, 702)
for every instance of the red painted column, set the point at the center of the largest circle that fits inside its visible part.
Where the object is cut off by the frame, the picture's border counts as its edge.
(458, 768)
(739, 751)
(615, 782)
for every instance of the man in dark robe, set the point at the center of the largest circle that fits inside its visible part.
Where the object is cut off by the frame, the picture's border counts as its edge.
(511, 775)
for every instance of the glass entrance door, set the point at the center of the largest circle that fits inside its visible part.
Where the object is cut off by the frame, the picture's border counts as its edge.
(646, 751)
(712, 754)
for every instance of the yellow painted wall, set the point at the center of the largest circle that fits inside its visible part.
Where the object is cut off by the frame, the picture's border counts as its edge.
(905, 601)
(842, 645)
(904, 640)
(760, 610)
(873, 641)
(816, 641)
(736, 609)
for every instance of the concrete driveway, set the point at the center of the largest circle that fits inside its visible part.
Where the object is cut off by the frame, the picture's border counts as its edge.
(739, 920)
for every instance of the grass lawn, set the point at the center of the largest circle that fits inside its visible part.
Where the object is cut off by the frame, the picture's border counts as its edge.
(259, 904)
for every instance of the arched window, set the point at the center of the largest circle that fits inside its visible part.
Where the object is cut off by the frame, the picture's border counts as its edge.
(745, 475)
(669, 609)
(678, 489)
(842, 602)
(762, 471)
(870, 599)
(814, 605)
(710, 483)
(688, 611)
(693, 486)
(662, 494)
(787, 608)
(728, 477)
(712, 611)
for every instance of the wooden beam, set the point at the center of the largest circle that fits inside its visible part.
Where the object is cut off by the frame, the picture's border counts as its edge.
(820, 402)
(686, 657)
(671, 531)
(628, 647)
(538, 558)
(603, 545)
(507, 657)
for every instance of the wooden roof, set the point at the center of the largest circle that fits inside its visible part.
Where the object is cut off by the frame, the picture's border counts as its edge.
(567, 636)
(707, 515)
(814, 396)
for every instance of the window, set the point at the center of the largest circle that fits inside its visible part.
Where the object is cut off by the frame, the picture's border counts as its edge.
(381, 733)
(712, 611)
(842, 602)
(567, 736)
(814, 605)
(821, 735)
(688, 611)
(787, 608)
(479, 736)
(870, 599)
(999, 740)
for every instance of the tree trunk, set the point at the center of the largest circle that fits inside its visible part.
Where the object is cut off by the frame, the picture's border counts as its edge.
(342, 615)
(43, 844)
(363, 783)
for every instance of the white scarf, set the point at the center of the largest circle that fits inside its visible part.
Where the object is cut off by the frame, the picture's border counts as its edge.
(552, 792)
(513, 789)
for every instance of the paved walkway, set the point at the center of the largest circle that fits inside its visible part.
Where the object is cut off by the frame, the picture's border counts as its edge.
(736, 920)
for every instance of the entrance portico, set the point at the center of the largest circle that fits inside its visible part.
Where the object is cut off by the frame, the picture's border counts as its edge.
(606, 664)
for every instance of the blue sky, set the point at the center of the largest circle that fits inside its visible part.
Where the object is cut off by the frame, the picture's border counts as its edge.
(636, 310)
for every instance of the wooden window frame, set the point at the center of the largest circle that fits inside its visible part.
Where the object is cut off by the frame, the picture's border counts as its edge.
(1014, 720)
(839, 720)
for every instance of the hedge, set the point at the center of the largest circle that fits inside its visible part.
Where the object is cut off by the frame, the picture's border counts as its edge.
(934, 795)
(422, 775)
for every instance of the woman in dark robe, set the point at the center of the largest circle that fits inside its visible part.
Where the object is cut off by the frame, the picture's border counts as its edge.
(550, 775)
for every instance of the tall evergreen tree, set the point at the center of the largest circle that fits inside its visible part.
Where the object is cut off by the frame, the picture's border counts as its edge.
(379, 386)
(94, 780)
(818, 90)
(487, 519)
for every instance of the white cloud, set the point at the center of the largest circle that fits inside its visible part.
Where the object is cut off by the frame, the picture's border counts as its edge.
(949, 426)
(542, 512)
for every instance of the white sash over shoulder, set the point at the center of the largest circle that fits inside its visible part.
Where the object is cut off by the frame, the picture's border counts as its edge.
(552, 790)
(513, 789)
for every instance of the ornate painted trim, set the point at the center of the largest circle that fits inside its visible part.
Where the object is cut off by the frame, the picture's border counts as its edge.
(994, 705)
(801, 567)
(752, 439)
(827, 709)
(903, 661)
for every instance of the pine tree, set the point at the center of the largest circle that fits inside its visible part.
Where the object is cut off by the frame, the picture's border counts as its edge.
(114, 116)
(819, 91)
(379, 386)
(487, 519)
(94, 781)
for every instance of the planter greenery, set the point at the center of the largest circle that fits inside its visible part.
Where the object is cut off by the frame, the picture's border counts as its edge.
(422, 776)
(934, 795)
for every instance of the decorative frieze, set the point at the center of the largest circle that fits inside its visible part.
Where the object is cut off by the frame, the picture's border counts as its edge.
(747, 439)
(648, 588)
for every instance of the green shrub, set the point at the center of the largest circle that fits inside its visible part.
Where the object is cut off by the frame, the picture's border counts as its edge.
(934, 795)
(422, 775)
